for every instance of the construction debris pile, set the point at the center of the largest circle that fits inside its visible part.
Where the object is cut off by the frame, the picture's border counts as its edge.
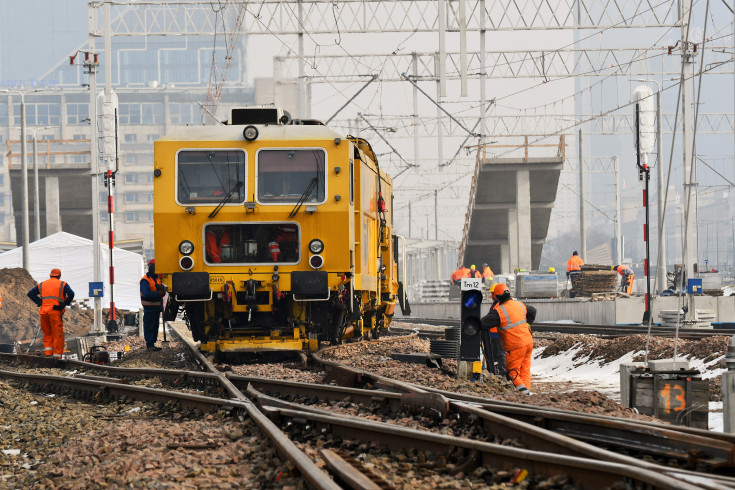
(19, 316)
(594, 278)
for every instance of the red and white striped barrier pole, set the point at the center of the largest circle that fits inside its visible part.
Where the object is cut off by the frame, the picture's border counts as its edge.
(110, 182)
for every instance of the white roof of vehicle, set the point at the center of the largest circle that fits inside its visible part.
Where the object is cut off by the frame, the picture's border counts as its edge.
(224, 132)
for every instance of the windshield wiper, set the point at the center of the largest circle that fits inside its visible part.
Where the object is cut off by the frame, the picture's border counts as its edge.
(225, 199)
(309, 189)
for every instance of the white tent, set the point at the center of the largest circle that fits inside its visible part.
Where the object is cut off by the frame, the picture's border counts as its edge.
(73, 255)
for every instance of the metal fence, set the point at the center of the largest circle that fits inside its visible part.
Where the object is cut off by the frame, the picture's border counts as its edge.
(429, 265)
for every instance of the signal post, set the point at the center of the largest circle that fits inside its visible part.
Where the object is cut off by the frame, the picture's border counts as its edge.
(469, 364)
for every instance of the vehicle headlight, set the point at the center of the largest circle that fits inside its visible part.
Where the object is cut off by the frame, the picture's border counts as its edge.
(186, 263)
(186, 247)
(316, 261)
(316, 246)
(250, 133)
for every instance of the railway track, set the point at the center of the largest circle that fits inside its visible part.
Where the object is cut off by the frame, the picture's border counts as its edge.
(583, 329)
(543, 441)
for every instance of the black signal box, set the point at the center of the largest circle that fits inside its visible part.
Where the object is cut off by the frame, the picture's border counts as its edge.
(470, 338)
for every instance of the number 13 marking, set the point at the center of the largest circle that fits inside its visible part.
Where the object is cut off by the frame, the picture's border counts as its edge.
(667, 393)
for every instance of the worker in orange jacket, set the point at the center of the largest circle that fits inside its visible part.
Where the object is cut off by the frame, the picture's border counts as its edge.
(492, 348)
(512, 319)
(626, 283)
(53, 295)
(487, 273)
(575, 263)
(474, 272)
(459, 274)
(216, 238)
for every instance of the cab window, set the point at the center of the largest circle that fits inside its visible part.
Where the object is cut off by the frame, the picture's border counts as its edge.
(208, 176)
(252, 243)
(284, 176)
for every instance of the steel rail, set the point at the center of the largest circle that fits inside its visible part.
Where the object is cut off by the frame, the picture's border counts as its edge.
(502, 404)
(171, 375)
(692, 448)
(588, 329)
(586, 472)
(286, 448)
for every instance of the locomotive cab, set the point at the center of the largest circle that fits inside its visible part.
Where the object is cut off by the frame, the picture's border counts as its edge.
(273, 234)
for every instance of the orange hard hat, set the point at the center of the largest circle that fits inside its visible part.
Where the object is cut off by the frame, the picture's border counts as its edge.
(55, 273)
(500, 289)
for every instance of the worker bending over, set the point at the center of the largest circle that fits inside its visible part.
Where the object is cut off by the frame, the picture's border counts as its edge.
(627, 276)
(513, 319)
(53, 295)
(459, 274)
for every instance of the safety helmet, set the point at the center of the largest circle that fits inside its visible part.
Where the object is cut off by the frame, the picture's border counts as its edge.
(484, 265)
(152, 262)
(55, 273)
(472, 266)
(551, 269)
(500, 289)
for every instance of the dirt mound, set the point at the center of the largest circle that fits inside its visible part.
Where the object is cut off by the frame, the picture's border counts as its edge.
(19, 316)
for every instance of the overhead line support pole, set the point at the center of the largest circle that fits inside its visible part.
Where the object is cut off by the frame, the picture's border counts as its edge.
(415, 67)
(582, 234)
(90, 65)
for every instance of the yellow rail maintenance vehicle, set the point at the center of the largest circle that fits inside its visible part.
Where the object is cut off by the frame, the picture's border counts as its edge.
(273, 234)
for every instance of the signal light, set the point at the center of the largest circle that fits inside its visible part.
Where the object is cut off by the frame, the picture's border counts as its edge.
(316, 262)
(470, 338)
(186, 262)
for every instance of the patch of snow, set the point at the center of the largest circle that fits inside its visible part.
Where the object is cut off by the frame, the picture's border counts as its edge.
(583, 373)
(716, 420)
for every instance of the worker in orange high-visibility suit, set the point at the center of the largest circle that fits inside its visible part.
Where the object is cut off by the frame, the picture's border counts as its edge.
(475, 273)
(513, 319)
(52, 295)
(216, 238)
(459, 274)
(487, 273)
(626, 283)
(574, 264)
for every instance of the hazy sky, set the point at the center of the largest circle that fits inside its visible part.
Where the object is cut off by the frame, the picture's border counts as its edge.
(37, 34)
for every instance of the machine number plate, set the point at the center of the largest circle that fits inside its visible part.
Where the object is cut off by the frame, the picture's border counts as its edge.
(216, 280)
(471, 283)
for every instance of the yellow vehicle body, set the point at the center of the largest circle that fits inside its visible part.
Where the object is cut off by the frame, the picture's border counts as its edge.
(274, 243)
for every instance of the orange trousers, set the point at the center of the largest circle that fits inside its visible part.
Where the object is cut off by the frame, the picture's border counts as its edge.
(52, 327)
(629, 284)
(518, 366)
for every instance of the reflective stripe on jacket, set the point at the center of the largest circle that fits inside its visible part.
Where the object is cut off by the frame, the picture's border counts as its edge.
(514, 329)
(51, 292)
(152, 285)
